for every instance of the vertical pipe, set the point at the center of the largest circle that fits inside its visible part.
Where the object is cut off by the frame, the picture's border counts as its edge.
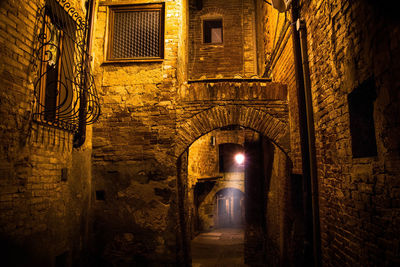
(80, 136)
(311, 141)
(304, 140)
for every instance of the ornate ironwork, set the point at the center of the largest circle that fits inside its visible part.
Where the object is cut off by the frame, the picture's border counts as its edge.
(65, 93)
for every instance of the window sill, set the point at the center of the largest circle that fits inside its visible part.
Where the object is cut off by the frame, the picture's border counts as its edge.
(213, 44)
(124, 61)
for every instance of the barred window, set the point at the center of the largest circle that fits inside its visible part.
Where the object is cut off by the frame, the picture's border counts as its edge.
(136, 33)
(56, 70)
(65, 94)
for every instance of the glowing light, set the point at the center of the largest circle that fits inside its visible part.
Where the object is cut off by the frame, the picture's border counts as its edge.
(239, 158)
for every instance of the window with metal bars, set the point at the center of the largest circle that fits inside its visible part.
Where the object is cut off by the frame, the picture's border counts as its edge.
(56, 68)
(136, 33)
(64, 89)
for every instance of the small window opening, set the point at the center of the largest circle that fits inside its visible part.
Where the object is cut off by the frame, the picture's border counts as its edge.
(100, 195)
(361, 109)
(212, 31)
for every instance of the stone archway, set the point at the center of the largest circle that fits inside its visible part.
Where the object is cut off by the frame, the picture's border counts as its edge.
(258, 120)
(274, 130)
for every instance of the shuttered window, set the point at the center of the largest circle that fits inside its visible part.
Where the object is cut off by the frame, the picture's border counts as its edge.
(136, 33)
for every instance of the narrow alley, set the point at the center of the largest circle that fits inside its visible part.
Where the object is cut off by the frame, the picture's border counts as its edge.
(222, 247)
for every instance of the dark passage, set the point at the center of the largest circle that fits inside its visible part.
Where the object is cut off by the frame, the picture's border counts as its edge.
(220, 247)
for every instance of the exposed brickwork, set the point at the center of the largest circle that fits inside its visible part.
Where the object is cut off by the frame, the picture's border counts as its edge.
(41, 216)
(284, 231)
(221, 116)
(203, 156)
(204, 163)
(236, 55)
(150, 116)
(238, 91)
(137, 142)
(347, 43)
(282, 69)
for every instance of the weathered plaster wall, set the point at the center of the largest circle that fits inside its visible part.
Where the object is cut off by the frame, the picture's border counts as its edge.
(41, 217)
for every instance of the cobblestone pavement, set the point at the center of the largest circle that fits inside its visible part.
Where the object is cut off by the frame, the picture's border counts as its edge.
(220, 247)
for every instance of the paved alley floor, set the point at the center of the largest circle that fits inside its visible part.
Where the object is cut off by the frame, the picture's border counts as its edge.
(220, 247)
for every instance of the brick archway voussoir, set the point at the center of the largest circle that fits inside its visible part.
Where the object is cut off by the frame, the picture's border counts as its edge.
(220, 116)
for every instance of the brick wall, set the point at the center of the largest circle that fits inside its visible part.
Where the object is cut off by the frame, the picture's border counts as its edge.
(278, 55)
(137, 142)
(348, 42)
(41, 216)
(236, 55)
(283, 210)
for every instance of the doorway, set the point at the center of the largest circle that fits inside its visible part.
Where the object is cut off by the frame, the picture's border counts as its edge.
(229, 204)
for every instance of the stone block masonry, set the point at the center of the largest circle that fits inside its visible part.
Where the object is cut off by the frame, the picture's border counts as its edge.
(133, 158)
(132, 192)
(136, 144)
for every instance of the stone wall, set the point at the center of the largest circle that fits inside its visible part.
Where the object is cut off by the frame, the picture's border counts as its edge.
(142, 133)
(43, 218)
(349, 42)
(134, 166)
(236, 55)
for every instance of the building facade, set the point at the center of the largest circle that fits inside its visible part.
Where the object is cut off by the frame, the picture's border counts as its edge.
(132, 186)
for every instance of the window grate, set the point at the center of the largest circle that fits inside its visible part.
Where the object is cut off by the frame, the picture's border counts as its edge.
(136, 32)
(64, 90)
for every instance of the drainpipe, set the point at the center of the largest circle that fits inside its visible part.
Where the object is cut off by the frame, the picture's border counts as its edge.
(80, 135)
(306, 125)
(301, 27)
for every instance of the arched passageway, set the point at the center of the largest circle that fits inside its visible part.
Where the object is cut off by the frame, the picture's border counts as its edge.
(264, 182)
(229, 208)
